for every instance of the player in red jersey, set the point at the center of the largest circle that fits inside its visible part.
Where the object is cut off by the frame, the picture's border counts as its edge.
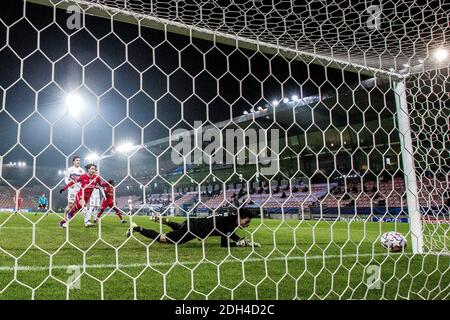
(109, 201)
(88, 182)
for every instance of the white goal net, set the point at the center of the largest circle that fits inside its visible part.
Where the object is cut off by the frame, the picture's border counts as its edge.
(327, 120)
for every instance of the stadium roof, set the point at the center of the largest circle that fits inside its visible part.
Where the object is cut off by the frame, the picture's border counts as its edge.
(397, 37)
(303, 107)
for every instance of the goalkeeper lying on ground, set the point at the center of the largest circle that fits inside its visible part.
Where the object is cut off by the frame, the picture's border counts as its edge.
(201, 228)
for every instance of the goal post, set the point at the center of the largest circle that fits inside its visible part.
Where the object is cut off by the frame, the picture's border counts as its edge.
(409, 170)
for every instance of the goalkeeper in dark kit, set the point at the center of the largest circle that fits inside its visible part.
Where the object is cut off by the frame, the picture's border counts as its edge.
(202, 228)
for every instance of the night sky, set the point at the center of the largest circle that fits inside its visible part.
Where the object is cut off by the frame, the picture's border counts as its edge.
(168, 82)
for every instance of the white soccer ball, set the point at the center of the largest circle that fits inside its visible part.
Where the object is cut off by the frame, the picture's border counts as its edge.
(393, 241)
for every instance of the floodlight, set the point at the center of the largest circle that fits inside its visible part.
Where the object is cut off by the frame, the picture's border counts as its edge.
(92, 157)
(73, 103)
(125, 147)
(440, 54)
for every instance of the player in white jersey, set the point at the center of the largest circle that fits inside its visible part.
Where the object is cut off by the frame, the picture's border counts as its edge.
(130, 205)
(95, 202)
(73, 174)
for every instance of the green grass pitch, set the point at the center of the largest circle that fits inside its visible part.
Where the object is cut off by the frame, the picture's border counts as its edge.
(297, 260)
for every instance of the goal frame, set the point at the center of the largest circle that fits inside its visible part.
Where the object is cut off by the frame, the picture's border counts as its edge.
(397, 80)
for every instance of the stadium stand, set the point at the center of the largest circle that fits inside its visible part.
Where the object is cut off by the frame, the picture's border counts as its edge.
(218, 200)
(6, 197)
(186, 198)
(29, 196)
(389, 193)
(122, 202)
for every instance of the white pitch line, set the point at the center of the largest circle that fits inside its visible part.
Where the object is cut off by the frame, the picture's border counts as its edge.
(13, 227)
(159, 264)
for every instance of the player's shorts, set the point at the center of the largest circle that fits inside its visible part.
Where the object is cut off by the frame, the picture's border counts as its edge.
(71, 195)
(95, 200)
(77, 205)
(87, 198)
(107, 202)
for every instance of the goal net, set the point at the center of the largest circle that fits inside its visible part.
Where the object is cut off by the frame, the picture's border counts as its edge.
(327, 120)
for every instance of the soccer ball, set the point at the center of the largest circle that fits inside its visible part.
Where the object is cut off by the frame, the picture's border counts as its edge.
(393, 241)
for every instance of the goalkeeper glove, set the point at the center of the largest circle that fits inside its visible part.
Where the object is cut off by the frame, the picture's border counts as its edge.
(61, 190)
(247, 243)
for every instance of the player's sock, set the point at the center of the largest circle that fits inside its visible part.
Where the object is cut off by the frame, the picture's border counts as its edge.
(100, 213)
(119, 214)
(87, 216)
(92, 211)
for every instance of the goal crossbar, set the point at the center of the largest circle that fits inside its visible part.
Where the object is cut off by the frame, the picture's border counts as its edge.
(158, 23)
